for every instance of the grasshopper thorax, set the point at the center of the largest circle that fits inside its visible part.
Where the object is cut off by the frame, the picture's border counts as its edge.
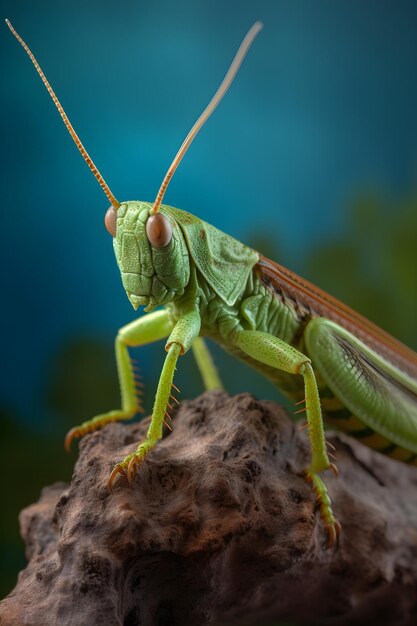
(152, 274)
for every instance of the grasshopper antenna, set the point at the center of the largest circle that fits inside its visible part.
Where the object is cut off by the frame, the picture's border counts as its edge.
(227, 81)
(115, 203)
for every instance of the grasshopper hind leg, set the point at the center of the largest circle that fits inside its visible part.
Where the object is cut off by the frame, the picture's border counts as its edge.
(274, 352)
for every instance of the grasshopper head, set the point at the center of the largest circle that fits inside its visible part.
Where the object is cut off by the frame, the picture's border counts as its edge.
(151, 254)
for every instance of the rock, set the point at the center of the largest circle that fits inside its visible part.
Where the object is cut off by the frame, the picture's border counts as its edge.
(219, 527)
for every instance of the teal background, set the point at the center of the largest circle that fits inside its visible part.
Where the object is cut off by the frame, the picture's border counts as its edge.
(311, 158)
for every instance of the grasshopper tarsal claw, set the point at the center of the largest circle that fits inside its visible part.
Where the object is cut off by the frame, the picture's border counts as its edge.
(72, 434)
(125, 468)
(133, 467)
(117, 469)
(325, 507)
(334, 531)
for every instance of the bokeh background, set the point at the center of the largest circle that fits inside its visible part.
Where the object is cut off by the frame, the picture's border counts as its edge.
(311, 158)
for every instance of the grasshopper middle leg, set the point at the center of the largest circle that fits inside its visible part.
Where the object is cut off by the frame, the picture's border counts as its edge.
(206, 365)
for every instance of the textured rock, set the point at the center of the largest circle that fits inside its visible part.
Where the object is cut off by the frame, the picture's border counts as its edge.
(219, 528)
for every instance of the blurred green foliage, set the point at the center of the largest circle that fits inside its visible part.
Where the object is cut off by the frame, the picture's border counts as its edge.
(371, 266)
(83, 379)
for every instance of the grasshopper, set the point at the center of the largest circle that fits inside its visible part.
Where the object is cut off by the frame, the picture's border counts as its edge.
(319, 352)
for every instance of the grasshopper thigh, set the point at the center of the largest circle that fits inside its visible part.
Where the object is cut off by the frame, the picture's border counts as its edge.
(273, 351)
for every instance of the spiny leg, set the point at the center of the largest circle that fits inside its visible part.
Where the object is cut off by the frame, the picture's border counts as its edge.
(276, 353)
(132, 462)
(147, 329)
(319, 454)
(180, 340)
(206, 365)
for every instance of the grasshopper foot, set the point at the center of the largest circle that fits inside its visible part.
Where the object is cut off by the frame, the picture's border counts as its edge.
(130, 465)
(98, 422)
(333, 530)
(331, 524)
(72, 434)
(117, 469)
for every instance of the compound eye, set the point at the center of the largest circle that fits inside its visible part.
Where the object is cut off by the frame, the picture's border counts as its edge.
(158, 230)
(110, 221)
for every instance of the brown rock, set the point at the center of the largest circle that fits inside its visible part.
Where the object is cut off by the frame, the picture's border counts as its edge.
(219, 528)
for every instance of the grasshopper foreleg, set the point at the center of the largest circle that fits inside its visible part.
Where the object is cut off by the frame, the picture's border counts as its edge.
(147, 329)
(276, 353)
(180, 340)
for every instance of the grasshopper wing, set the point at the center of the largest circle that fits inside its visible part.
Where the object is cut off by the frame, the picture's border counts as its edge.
(311, 301)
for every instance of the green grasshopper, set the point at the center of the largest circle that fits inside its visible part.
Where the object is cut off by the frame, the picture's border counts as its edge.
(315, 349)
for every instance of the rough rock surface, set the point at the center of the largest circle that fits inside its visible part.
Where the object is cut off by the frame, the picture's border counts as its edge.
(219, 528)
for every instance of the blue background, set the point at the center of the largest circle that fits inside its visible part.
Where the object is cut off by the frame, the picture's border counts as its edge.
(323, 109)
